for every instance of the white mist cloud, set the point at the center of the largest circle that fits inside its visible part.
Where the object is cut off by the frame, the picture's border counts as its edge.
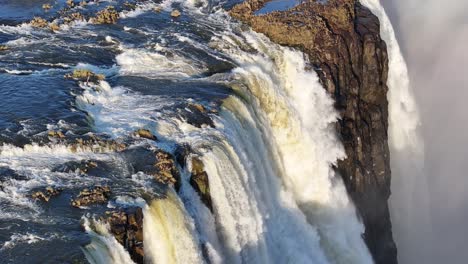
(434, 37)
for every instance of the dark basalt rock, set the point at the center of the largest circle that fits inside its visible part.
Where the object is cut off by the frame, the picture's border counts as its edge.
(81, 167)
(342, 41)
(127, 228)
(196, 115)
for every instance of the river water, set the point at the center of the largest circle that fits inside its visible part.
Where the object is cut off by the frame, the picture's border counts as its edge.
(268, 153)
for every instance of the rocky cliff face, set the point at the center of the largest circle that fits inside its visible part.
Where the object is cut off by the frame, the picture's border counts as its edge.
(342, 41)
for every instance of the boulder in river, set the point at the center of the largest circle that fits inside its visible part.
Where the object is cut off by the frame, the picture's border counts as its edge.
(85, 75)
(81, 167)
(46, 7)
(106, 16)
(96, 195)
(45, 195)
(39, 22)
(55, 134)
(145, 133)
(175, 13)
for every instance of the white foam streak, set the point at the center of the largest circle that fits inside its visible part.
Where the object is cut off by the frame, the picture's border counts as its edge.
(143, 63)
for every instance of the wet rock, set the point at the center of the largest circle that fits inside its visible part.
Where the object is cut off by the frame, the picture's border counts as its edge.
(196, 115)
(181, 153)
(96, 195)
(81, 167)
(85, 75)
(39, 22)
(96, 145)
(342, 41)
(127, 228)
(46, 7)
(47, 194)
(73, 17)
(175, 13)
(55, 134)
(200, 182)
(7, 174)
(106, 16)
(70, 3)
(129, 6)
(145, 133)
(4, 48)
(54, 27)
(165, 169)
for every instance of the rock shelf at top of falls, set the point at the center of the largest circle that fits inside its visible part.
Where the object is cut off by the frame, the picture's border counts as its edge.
(343, 43)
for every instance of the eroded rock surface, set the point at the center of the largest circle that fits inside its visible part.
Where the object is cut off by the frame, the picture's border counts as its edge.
(127, 228)
(96, 195)
(342, 41)
(200, 182)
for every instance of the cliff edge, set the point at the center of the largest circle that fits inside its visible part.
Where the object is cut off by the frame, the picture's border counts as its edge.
(342, 41)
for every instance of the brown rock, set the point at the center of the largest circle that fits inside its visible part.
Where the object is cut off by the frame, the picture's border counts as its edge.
(97, 195)
(55, 134)
(85, 75)
(45, 195)
(145, 133)
(39, 22)
(106, 16)
(46, 7)
(200, 182)
(165, 169)
(127, 228)
(175, 13)
(342, 41)
(54, 27)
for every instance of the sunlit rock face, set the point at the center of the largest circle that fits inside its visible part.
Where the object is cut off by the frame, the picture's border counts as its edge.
(342, 41)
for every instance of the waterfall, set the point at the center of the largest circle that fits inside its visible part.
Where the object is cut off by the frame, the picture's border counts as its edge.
(103, 248)
(406, 150)
(168, 233)
(275, 196)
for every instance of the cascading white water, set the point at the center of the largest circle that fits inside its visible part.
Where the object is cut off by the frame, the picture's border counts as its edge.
(103, 248)
(168, 233)
(406, 150)
(295, 116)
(275, 196)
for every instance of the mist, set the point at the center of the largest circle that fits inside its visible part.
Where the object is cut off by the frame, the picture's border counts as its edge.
(430, 204)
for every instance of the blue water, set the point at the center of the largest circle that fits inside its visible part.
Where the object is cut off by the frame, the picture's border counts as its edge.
(278, 5)
(35, 98)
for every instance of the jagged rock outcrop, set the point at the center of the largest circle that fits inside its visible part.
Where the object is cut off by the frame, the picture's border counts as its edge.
(96, 195)
(127, 228)
(342, 41)
(200, 182)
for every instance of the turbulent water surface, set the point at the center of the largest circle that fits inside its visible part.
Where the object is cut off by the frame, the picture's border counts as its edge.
(268, 154)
